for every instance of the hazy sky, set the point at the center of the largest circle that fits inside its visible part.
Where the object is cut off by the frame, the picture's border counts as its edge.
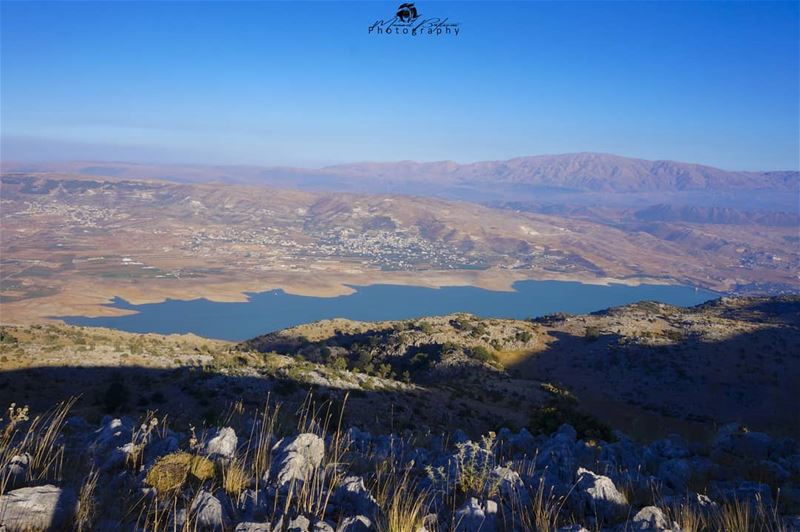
(304, 84)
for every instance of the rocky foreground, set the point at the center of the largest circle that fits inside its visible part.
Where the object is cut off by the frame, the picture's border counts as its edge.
(60, 472)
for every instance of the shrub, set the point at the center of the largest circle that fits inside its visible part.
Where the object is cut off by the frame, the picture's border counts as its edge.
(384, 370)
(481, 353)
(592, 333)
(478, 330)
(339, 364)
(363, 359)
(420, 361)
(172, 471)
(7, 338)
(523, 336)
(548, 418)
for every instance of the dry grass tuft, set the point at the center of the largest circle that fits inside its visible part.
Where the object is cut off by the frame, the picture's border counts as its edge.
(403, 505)
(38, 440)
(235, 478)
(87, 504)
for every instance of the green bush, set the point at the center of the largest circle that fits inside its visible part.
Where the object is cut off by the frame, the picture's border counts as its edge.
(7, 338)
(481, 353)
(339, 363)
(547, 419)
(592, 333)
(425, 327)
(523, 336)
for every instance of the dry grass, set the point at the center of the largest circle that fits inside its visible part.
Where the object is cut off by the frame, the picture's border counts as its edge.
(140, 438)
(728, 516)
(743, 516)
(87, 504)
(311, 497)
(38, 440)
(160, 512)
(235, 478)
(734, 517)
(541, 514)
(171, 472)
(260, 440)
(543, 511)
(403, 505)
(688, 517)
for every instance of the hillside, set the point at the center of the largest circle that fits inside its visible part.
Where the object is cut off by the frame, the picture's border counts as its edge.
(618, 365)
(469, 422)
(715, 215)
(72, 243)
(644, 368)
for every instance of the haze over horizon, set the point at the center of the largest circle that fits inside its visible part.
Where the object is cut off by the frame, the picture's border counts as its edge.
(55, 164)
(243, 83)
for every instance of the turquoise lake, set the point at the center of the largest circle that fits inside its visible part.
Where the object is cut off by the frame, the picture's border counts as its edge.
(268, 311)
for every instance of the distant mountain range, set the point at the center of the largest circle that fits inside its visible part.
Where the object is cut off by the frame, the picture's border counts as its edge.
(575, 172)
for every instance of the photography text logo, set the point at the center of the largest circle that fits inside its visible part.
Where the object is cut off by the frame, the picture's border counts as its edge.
(408, 21)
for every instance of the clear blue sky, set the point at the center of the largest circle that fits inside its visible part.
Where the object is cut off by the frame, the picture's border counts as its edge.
(304, 84)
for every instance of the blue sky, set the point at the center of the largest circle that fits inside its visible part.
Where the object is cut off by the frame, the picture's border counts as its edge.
(304, 84)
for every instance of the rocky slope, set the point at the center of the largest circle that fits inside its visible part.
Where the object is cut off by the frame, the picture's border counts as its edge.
(643, 417)
(641, 367)
(253, 474)
(715, 215)
(648, 369)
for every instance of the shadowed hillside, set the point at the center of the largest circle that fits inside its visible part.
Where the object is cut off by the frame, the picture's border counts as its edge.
(640, 414)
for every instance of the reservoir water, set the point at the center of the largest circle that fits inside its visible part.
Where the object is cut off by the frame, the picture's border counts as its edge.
(268, 311)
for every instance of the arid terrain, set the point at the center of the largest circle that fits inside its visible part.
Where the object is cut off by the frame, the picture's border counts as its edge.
(648, 369)
(70, 243)
(643, 417)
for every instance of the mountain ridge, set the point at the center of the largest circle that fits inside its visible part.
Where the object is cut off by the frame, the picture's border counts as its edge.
(581, 171)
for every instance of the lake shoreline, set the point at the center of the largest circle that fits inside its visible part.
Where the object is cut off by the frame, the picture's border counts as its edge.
(275, 309)
(92, 297)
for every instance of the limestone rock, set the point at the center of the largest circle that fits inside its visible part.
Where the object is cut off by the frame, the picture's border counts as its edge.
(358, 523)
(352, 498)
(209, 512)
(36, 508)
(253, 527)
(222, 445)
(296, 458)
(652, 518)
(474, 517)
(598, 496)
(15, 471)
